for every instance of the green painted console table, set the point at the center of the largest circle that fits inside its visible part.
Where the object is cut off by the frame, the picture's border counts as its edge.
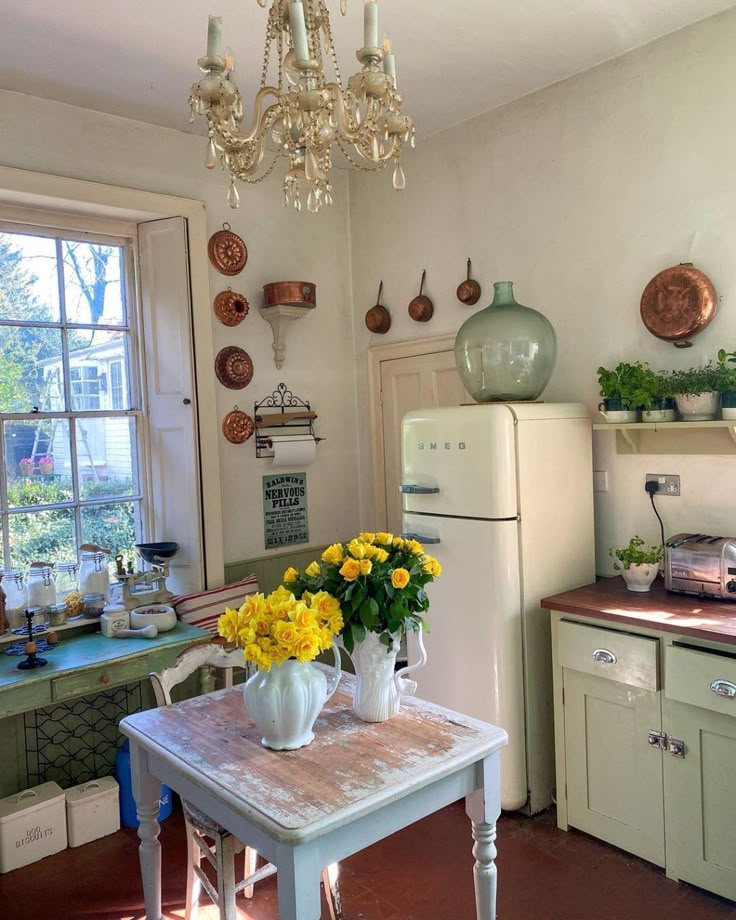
(82, 664)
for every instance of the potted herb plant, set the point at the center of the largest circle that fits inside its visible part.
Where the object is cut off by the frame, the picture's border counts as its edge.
(638, 563)
(624, 390)
(727, 364)
(660, 405)
(697, 391)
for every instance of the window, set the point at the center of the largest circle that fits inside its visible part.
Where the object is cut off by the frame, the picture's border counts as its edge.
(69, 450)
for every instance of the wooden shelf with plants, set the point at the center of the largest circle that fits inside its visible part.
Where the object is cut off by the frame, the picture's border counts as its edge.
(716, 437)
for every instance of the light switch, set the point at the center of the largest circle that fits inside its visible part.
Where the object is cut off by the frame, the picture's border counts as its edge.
(600, 481)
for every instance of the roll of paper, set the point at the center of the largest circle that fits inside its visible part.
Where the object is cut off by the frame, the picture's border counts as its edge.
(290, 452)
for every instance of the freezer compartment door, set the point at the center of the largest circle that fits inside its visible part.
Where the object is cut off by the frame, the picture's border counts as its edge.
(460, 461)
(474, 644)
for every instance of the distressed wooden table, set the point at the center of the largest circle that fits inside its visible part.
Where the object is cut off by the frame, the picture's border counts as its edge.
(354, 785)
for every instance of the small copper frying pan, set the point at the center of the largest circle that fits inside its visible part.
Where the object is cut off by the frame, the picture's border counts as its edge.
(468, 291)
(678, 303)
(421, 307)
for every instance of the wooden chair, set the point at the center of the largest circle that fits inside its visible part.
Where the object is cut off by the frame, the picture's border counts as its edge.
(201, 828)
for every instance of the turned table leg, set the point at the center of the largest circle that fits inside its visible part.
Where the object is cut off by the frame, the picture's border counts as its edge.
(147, 793)
(483, 807)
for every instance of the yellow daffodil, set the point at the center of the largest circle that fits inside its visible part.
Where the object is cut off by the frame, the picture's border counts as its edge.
(431, 566)
(385, 539)
(365, 566)
(290, 575)
(357, 549)
(312, 570)
(334, 554)
(380, 555)
(306, 647)
(367, 537)
(414, 547)
(400, 578)
(350, 569)
(229, 624)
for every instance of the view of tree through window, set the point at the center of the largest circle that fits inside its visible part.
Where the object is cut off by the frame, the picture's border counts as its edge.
(68, 432)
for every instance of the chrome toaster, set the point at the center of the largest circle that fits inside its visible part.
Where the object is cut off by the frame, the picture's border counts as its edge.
(695, 563)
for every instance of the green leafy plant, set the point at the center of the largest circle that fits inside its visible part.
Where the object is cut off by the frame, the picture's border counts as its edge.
(636, 553)
(706, 379)
(634, 385)
(727, 365)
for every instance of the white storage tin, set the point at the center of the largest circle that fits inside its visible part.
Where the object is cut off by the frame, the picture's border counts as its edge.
(92, 810)
(32, 825)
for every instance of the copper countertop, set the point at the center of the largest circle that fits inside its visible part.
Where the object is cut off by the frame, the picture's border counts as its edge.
(685, 614)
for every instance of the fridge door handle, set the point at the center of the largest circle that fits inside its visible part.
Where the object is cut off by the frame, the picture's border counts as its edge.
(405, 685)
(420, 537)
(409, 489)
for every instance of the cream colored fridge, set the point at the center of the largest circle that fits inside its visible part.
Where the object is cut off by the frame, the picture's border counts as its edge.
(502, 495)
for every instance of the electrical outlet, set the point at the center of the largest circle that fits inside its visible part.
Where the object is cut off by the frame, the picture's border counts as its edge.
(669, 484)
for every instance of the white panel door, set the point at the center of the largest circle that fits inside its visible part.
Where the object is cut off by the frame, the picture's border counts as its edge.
(171, 403)
(417, 382)
(474, 641)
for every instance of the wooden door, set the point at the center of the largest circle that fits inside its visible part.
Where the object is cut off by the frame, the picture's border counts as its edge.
(423, 381)
(614, 776)
(700, 796)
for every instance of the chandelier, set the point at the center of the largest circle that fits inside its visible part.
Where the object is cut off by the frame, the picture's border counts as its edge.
(305, 116)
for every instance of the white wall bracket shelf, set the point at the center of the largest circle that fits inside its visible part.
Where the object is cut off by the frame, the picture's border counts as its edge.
(279, 316)
(717, 437)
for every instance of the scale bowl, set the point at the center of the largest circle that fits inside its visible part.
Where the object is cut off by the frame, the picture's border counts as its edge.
(154, 552)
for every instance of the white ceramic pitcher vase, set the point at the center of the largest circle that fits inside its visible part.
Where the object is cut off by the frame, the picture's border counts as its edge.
(285, 701)
(379, 688)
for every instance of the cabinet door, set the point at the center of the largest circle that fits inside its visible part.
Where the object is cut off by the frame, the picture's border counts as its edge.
(614, 776)
(700, 791)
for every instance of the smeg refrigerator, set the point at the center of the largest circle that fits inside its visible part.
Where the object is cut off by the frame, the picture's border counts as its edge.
(502, 495)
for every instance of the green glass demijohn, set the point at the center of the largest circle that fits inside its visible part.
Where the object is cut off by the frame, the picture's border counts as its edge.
(506, 351)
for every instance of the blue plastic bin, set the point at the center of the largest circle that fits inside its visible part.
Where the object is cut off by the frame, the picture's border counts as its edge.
(128, 817)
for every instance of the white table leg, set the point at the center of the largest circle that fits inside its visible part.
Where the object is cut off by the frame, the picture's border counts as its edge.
(298, 880)
(483, 807)
(147, 793)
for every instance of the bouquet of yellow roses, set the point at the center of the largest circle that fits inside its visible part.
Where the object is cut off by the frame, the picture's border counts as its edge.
(379, 580)
(272, 629)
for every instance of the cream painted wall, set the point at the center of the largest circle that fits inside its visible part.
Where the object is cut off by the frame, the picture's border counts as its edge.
(50, 137)
(579, 194)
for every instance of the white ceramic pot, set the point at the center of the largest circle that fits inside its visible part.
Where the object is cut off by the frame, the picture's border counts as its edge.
(285, 701)
(639, 578)
(159, 615)
(658, 415)
(621, 416)
(379, 688)
(698, 407)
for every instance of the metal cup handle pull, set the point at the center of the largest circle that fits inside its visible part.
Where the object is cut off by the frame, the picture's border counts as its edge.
(724, 688)
(407, 488)
(421, 538)
(604, 656)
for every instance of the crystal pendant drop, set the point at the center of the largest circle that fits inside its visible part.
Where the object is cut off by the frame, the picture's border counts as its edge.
(375, 151)
(312, 203)
(399, 178)
(413, 140)
(210, 161)
(311, 165)
(233, 198)
(343, 6)
(328, 199)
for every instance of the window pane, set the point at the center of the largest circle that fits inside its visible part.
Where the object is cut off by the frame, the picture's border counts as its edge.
(115, 527)
(31, 370)
(106, 457)
(38, 462)
(92, 283)
(41, 536)
(98, 362)
(29, 286)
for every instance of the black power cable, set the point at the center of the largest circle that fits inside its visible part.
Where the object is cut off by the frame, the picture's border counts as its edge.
(651, 488)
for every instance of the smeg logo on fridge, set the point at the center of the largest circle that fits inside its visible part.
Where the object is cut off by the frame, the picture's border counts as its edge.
(441, 445)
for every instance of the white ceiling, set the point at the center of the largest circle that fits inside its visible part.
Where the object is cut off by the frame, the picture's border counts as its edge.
(137, 58)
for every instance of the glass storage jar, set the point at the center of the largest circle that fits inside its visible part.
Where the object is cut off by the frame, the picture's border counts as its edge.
(94, 576)
(41, 585)
(16, 597)
(58, 614)
(39, 620)
(94, 604)
(66, 579)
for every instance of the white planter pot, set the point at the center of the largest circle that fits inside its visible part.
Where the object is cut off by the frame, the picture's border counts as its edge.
(379, 688)
(658, 415)
(639, 578)
(285, 701)
(698, 407)
(620, 416)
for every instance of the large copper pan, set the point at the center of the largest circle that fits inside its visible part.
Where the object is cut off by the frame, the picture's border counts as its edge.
(678, 303)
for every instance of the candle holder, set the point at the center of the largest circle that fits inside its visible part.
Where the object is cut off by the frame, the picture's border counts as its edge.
(32, 647)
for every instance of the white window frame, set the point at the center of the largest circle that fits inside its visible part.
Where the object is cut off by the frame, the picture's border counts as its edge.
(75, 228)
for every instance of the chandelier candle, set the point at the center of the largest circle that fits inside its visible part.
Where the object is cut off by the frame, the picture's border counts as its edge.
(389, 60)
(370, 24)
(214, 37)
(299, 30)
(302, 114)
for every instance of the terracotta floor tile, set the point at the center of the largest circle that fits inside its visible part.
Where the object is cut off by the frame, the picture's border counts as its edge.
(421, 873)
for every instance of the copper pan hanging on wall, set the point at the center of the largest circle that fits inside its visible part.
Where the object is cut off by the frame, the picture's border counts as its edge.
(678, 303)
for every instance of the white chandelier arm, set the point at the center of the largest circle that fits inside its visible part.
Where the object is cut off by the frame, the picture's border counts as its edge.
(240, 138)
(341, 112)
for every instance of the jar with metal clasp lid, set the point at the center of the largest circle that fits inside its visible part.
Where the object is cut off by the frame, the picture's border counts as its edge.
(16, 597)
(94, 575)
(41, 585)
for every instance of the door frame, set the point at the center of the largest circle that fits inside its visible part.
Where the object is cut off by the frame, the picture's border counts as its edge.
(377, 354)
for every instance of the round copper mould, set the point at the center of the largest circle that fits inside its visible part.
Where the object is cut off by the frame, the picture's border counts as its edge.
(234, 367)
(227, 251)
(678, 303)
(238, 426)
(231, 308)
(290, 293)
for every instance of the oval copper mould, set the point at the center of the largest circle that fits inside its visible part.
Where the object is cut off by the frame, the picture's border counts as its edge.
(231, 308)
(234, 367)
(238, 426)
(678, 303)
(290, 293)
(227, 251)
